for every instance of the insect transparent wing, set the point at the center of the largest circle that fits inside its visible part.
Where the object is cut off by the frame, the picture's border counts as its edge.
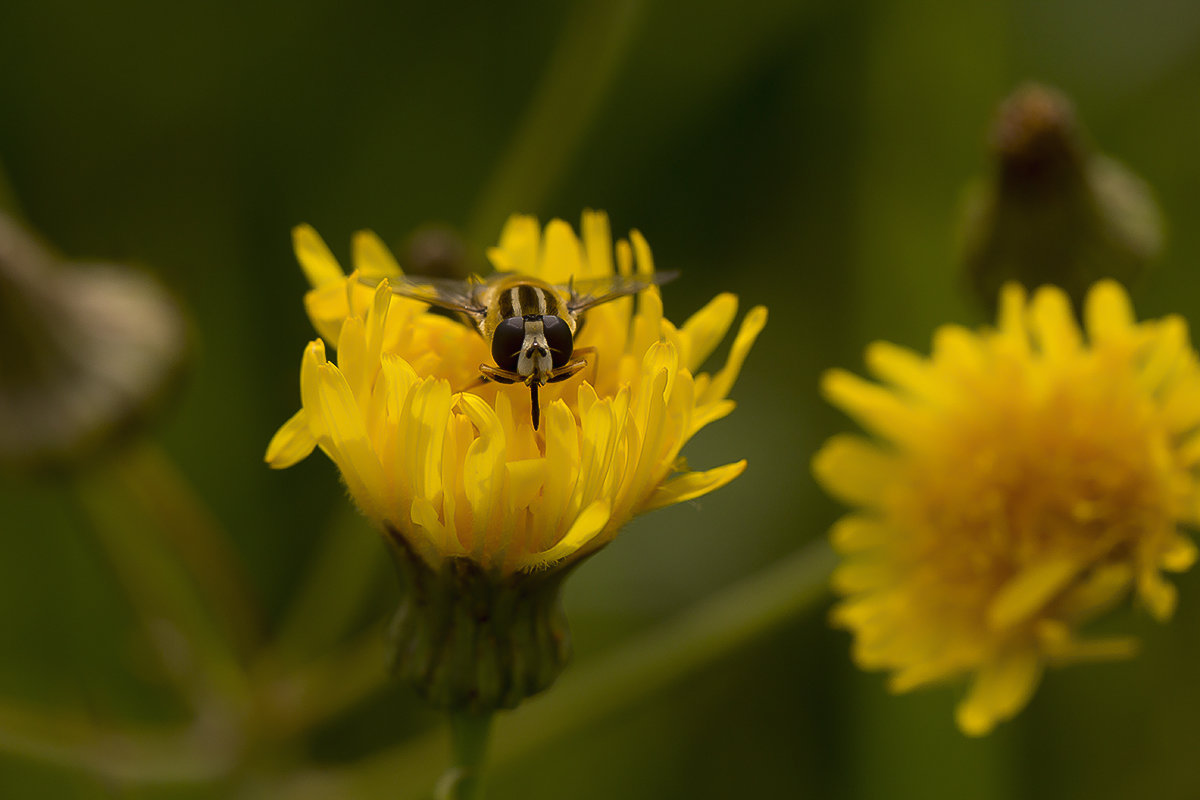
(594, 291)
(442, 292)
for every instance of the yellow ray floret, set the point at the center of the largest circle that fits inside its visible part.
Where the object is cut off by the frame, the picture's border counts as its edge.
(1020, 481)
(454, 466)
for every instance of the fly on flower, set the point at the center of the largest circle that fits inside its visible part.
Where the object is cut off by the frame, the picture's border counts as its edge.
(529, 324)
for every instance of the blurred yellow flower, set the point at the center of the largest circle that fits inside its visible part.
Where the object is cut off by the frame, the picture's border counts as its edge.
(454, 466)
(1023, 481)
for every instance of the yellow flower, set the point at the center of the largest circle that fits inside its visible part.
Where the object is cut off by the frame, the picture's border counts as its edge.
(1023, 481)
(454, 465)
(485, 515)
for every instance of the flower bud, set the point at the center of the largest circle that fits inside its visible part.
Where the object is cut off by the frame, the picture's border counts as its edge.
(470, 640)
(1054, 211)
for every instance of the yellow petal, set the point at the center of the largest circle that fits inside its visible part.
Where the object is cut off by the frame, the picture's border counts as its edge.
(372, 259)
(1158, 596)
(1030, 590)
(692, 485)
(1095, 592)
(597, 244)
(1180, 554)
(562, 256)
(999, 691)
(483, 473)
(319, 265)
(1168, 348)
(705, 329)
(520, 243)
(1108, 313)
(876, 408)
(904, 369)
(310, 396)
(351, 353)
(327, 309)
(292, 443)
(645, 261)
(856, 532)
(708, 414)
(356, 460)
(1011, 319)
(854, 470)
(590, 523)
(562, 469)
(862, 575)
(1053, 323)
(722, 382)
(525, 480)
(1059, 645)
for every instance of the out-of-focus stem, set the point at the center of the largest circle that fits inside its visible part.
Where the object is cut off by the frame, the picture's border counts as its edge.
(148, 476)
(345, 571)
(121, 755)
(639, 668)
(195, 652)
(8, 197)
(469, 734)
(295, 699)
(574, 83)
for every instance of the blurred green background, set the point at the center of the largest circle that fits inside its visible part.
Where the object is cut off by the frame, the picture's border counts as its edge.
(806, 155)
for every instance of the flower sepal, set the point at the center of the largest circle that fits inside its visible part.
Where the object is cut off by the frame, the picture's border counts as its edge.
(473, 639)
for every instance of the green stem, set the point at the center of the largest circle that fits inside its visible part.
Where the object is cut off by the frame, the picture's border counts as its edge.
(574, 83)
(8, 198)
(346, 570)
(194, 650)
(632, 672)
(124, 755)
(195, 536)
(469, 734)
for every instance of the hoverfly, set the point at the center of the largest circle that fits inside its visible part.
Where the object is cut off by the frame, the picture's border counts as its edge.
(529, 324)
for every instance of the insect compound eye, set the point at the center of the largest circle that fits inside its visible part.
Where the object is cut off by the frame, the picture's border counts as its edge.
(558, 337)
(507, 341)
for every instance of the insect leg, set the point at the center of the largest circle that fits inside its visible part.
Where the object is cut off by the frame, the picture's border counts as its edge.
(569, 369)
(490, 373)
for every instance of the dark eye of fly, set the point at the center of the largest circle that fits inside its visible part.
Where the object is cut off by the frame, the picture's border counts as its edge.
(507, 342)
(558, 336)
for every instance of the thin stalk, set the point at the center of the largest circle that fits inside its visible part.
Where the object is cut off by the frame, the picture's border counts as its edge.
(121, 754)
(194, 650)
(345, 571)
(598, 688)
(574, 84)
(469, 734)
(195, 536)
(8, 198)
